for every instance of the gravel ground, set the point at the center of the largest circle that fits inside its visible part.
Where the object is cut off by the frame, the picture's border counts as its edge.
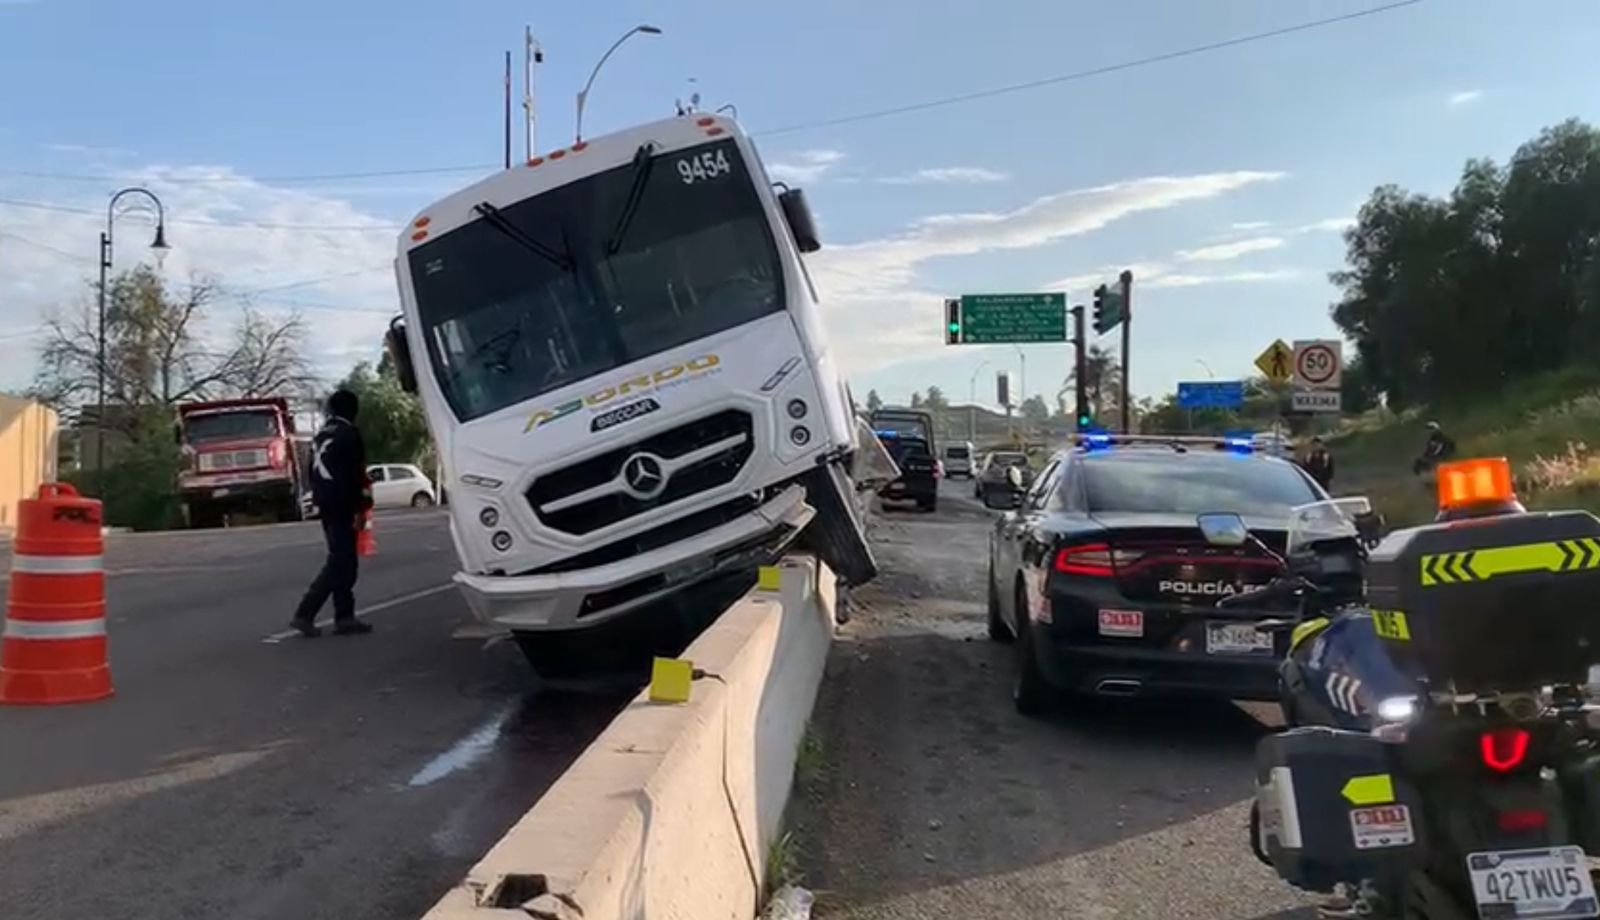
(929, 797)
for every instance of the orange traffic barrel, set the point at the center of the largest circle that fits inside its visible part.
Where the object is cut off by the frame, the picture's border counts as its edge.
(53, 649)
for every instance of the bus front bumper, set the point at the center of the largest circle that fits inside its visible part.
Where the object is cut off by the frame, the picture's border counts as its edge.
(588, 597)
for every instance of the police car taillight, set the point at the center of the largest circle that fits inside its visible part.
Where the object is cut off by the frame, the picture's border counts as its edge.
(1094, 559)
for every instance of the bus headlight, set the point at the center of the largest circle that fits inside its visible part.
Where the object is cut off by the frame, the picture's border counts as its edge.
(800, 435)
(797, 409)
(501, 540)
(489, 517)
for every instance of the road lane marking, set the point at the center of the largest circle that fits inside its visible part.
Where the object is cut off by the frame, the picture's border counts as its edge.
(465, 752)
(366, 611)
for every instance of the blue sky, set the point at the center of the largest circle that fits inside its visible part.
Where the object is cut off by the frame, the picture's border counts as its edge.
(1220, 178)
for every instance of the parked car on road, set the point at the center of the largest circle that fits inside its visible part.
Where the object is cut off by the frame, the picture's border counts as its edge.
(1104, 580)
(958, 459)
(401, 485)
(991, 475)
(919, 472)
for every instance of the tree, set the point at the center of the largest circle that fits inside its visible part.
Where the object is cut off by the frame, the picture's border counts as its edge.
(916, 400)
(1102, 384)
(935, 400)
(392, 422)
(1453, 298)
(158, 353)
(1034, 411)
(874, 401)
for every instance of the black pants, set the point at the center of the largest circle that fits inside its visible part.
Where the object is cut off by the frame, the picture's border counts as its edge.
(338, 575)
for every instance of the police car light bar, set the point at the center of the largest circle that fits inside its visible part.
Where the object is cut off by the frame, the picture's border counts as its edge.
(1239, 442)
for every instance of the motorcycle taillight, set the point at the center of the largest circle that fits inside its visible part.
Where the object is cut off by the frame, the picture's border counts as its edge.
(1521, 820)
(1504, 749)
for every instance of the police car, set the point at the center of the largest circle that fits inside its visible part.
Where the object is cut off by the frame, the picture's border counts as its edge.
(1107, 586)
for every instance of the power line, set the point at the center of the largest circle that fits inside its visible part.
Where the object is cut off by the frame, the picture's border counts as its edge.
(221, 180)
(74, 256)
(1085, 74)
(216, 224)
(787, 129)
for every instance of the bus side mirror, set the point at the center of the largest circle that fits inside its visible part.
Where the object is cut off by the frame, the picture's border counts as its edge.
(400, 355)
(797, 214)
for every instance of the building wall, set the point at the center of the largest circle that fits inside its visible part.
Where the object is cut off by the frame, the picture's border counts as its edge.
(28, 449)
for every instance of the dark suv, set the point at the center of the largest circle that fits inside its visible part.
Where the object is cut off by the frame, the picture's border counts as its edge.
(919, 471)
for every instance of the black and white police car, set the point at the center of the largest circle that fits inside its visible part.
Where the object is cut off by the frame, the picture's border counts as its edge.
(1101, 576)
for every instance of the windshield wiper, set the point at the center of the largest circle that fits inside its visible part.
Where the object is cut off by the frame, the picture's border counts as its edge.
(643, 160)
(497, 220)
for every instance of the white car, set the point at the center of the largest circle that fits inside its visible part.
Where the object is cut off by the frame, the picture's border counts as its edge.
(401, 485)
(958, 459)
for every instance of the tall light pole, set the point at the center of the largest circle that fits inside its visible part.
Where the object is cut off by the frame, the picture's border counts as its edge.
(583, 94)
(1022, 387)
(532, 56)
(159, 245)
(1207, 368)
(972, 402)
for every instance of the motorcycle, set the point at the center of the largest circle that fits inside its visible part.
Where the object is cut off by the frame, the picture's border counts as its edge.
(1441, 758)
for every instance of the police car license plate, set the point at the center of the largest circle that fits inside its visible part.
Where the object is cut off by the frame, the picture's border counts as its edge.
(1236, 638)
(1550, 883)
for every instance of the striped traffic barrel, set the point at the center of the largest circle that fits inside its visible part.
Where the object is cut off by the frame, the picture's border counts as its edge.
(53, 649)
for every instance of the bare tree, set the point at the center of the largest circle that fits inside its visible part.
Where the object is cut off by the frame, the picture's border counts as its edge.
(157, 353)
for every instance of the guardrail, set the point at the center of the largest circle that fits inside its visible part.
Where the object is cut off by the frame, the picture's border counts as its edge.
(670, 812)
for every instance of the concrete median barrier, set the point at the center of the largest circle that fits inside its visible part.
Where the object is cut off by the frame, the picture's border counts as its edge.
(670, 813)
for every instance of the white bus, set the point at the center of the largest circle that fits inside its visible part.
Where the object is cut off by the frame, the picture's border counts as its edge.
(622, 361)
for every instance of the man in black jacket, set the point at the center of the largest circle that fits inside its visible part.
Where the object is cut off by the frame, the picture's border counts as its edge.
(1319, 463)
(339, 485)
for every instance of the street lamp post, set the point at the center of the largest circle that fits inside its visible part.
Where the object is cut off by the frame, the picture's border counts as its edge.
(972, 402)
(160, 246)
(1022, 387)
(583, 94)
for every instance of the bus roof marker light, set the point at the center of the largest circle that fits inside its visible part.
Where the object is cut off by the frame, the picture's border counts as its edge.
(422, 222)
(705, 122)
(536, 161)
(557, 154)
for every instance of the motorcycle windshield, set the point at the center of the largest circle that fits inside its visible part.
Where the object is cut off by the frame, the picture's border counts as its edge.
(1325, 520)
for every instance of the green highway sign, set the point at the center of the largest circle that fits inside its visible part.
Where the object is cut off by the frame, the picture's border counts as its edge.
(997, 319)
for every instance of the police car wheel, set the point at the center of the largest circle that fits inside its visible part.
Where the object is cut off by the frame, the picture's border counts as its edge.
(1030, 693)
(998, 631)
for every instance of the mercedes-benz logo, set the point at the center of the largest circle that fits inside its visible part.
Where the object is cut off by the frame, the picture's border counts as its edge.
(643, 475)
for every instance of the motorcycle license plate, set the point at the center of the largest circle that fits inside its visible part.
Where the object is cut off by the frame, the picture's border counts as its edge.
(1236, 639)
(1550, 883)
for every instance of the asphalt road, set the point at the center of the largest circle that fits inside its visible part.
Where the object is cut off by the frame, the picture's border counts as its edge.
(241, 773)
(928, 797)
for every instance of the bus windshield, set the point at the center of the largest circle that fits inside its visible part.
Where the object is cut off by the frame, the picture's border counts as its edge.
(595, 274)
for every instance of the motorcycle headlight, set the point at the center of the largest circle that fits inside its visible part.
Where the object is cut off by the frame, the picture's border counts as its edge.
(1397, 708)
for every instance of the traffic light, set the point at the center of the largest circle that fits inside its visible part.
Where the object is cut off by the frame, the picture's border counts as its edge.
(952, 321)
(1084, 421)
(1100, 326)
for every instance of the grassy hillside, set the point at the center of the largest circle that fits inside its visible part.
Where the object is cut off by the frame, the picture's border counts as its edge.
(1549, 427)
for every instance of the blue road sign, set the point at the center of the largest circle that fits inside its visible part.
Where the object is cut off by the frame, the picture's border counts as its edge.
(1211, 394)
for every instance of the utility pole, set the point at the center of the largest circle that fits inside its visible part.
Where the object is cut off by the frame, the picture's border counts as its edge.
(1081, 368)
(1127, 324)
(532, 55)
(508, 110)
(1022, 386)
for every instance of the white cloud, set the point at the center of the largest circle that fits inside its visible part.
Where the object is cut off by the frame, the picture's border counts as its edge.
(1181, 280)
(1251, 225)
(879, 312)
(1329, 225)
(1466, 97)
(807, 166)
(1224, 252)
(947, 175)
(47, 259)
(1151, 275)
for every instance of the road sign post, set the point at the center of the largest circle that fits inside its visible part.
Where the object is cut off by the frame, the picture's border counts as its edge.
(1126, 280)
(1276, 363)
(1080, 369)
(1211, 394)
(1005, 319)
(1317, 363)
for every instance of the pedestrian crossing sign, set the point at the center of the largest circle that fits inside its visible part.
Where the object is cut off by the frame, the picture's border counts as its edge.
(1277, 362)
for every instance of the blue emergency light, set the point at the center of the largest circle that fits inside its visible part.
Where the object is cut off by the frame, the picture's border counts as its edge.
(1239, 442)
(887, 434)
(1096, 439)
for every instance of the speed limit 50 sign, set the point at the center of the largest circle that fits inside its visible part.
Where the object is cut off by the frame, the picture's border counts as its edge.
(1317, 363)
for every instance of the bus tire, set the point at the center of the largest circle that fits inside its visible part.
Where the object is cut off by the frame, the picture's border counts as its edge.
(837, 534)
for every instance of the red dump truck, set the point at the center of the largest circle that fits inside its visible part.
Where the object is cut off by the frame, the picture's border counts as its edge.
(241, 458)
